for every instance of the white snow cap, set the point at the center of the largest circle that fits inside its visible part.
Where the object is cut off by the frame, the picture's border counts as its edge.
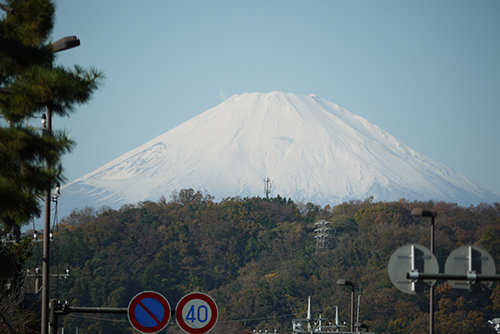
(312, 150)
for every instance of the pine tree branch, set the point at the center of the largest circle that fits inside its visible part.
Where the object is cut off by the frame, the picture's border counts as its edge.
(6, 91)
(9, 45)
(6, 8)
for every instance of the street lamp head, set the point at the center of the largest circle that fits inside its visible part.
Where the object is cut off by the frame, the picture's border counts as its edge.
(420, 212)
(65, 43)
(345, 283)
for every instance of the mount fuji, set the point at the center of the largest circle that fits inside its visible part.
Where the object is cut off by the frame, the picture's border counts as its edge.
(312, 150)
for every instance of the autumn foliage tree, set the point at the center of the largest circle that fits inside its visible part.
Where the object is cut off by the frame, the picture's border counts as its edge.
(257, 258)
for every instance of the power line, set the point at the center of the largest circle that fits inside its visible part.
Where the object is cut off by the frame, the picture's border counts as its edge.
(221, 321)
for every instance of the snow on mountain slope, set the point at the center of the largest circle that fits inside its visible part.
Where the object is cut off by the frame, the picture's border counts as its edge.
(311, 149)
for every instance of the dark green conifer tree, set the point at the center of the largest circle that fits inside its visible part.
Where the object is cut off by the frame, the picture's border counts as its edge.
(30, 83)
(30, 159)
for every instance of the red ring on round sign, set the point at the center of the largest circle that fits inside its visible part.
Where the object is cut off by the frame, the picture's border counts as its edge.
(186, 299)
(137, 301)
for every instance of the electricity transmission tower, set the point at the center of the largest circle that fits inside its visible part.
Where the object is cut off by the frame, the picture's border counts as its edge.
(322, 235)
(267, 187)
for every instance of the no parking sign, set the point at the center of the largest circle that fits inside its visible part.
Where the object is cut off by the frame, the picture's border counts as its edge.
(149, 312)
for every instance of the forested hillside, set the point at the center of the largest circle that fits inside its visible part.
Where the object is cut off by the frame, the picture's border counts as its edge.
(257, 258)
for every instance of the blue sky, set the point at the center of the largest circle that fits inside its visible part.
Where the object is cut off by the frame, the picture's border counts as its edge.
(428, 72)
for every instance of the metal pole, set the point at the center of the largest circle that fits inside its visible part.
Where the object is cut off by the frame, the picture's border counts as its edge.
(115, 310)
(420, 212)
(352, 309)
(46, 243)
(60, 45)
(431, 296)
(37, 284)
(454, 277)
(53, 316)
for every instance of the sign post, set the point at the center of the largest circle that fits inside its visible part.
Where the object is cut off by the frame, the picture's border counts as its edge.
(471, 261)
(413, 259)
(196, 313)
(149, 312)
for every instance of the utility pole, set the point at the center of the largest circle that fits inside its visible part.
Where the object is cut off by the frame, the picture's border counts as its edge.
(46, 242)
(61, 45)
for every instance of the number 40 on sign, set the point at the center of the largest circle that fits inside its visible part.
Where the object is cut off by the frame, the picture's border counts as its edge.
(196, 313)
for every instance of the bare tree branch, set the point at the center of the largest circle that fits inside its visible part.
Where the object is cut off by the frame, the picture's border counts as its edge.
(7, 322)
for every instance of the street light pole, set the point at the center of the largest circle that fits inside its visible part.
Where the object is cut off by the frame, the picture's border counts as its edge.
(352, 285)
(60, 45)
(46, 242)
(420, 212)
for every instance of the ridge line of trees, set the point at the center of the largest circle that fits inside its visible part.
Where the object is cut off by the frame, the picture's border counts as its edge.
(257, 258)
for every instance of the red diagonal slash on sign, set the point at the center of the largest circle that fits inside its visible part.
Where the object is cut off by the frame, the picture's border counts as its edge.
(145, 310)
(148, 311)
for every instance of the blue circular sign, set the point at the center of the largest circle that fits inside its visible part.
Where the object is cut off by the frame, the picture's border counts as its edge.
(149, 312)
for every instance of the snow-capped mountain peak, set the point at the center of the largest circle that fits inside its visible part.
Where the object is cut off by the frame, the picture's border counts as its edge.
(311, 150)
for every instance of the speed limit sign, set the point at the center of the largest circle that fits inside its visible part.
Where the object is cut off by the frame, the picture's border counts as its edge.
(196, 313)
